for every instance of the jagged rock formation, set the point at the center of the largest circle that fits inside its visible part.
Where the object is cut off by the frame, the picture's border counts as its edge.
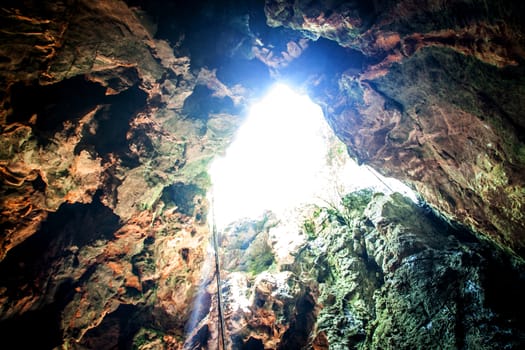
(263, 306)
(111, 110)
(394, 275)
(103, 168)
(439, 102)
(377, 272)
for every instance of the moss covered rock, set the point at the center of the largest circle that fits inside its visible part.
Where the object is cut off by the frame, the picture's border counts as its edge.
(396, 276)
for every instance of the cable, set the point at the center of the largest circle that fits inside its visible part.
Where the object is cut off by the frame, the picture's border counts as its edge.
(372, 170)
(218, 278)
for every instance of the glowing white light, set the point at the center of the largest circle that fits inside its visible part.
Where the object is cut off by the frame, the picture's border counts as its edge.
(278, 161)
(273, 161)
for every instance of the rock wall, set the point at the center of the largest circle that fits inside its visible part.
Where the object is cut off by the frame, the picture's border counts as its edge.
(106, 132)
(438, 102)
(374, 272)
(111, 110)
(393, 275)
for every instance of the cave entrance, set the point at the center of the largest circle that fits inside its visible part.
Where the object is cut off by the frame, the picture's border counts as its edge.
(284, 156)
(283, 161)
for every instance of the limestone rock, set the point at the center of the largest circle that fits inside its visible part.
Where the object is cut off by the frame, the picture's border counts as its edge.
(437, 102)
(111, 110)
(397, 276)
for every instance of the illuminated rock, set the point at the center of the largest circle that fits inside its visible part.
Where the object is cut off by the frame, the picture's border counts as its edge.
(111, 112)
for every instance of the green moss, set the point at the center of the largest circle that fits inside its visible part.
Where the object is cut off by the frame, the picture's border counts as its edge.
(248, 246)
(259, 255)
(406, 282)
(309, 229)
(197, 172)
(145, 337)
(260, 263)
(516, 196)
(335, 260)
(152, 198)
(356, 202)
(351, 206)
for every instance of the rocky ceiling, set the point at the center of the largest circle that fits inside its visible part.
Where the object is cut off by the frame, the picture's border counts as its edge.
(111, 110)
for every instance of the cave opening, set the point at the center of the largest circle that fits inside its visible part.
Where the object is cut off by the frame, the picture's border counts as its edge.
(283, 162)
(113, 111)
(284, 156)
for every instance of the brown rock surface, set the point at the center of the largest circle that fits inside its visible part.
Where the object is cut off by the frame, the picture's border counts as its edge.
(103, 175)
(111, 110)
(440, 105)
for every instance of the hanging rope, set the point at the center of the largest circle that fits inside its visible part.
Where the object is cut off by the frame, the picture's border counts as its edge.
(221, 339)
(372, 170)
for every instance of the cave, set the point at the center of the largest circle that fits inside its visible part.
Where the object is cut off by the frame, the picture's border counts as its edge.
(262, 174)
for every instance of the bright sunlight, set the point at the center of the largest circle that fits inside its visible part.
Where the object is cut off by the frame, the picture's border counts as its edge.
(285, 155)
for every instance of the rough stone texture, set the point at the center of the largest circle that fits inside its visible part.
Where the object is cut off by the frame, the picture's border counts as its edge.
(106, 112)
(264, 305)
(377, 272)
(103, 172)
(438, 104)
(111, 110)
(393, 275)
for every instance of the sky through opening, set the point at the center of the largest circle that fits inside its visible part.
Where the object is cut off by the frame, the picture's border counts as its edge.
(283, 156)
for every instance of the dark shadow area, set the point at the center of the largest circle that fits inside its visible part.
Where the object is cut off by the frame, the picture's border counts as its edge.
(113, 124)
(447, 227)
(200, 339)
(253, 344)
(181, 195)
(38, 329)
(504, 286)
(27, 271)
(71, 99)
(117, 329)
(53, 104)
(201, 103)
(301, 325)
(26, 268)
